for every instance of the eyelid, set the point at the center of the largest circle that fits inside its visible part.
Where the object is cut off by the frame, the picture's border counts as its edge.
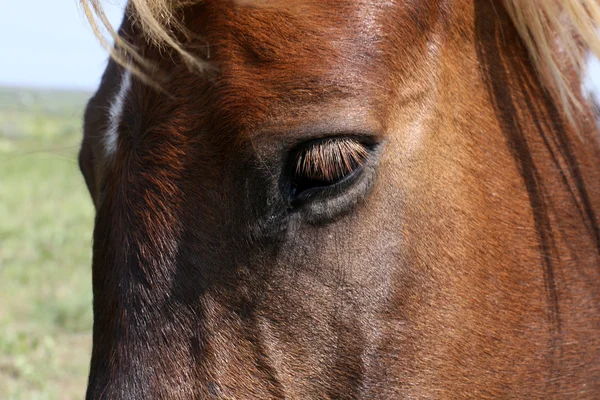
(338, 164)
(329, 160)
(320, 202)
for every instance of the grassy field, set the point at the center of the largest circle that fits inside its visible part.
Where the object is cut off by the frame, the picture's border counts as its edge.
(46, 219)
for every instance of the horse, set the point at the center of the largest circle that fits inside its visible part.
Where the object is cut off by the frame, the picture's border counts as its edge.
(370, 199)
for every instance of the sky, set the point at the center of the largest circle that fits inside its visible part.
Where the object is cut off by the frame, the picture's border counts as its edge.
(48, 43)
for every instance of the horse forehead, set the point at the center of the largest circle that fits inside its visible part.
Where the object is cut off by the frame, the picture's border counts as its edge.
(294, 30)
(275, 57)
(331, 9)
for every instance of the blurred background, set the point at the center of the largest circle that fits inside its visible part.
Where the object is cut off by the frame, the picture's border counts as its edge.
(50, 64)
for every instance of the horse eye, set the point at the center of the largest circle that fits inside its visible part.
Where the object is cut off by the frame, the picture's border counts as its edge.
(326, 162)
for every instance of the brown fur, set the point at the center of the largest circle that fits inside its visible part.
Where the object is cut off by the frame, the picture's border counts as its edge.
(462, 263)
(557, 33)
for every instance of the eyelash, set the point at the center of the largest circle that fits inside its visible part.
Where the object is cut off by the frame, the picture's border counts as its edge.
(324, 163)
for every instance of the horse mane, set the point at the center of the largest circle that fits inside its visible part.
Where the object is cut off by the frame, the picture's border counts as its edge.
(557, 33)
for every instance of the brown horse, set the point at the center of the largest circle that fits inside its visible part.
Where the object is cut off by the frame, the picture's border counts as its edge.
(335, 199)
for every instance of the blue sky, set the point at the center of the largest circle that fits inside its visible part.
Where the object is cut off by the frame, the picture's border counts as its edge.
(47, 43)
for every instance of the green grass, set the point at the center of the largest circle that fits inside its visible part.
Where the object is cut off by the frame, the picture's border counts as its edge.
(46, 219)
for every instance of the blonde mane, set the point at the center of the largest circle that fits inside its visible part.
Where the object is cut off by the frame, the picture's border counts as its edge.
(558, 34)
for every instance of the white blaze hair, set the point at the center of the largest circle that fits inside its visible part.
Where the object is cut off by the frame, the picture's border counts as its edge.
(115, 113)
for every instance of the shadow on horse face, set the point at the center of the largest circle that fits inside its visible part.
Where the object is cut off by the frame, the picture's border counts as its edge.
(357, 200)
